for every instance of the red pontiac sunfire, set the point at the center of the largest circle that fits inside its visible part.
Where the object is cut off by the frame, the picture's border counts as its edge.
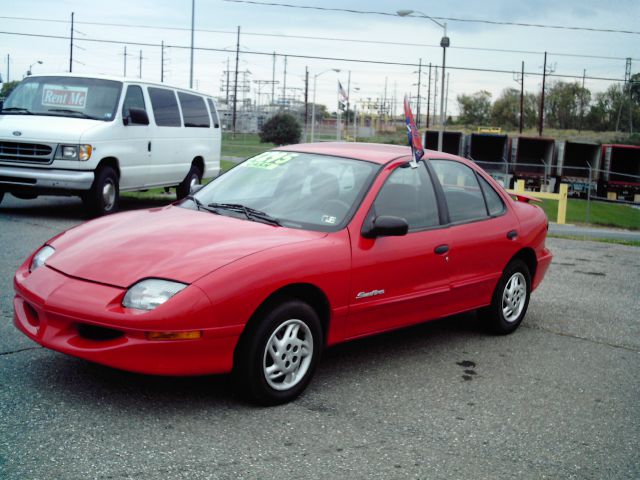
(294, 250)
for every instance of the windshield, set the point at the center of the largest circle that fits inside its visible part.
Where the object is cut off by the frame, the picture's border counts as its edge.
(66, 97)
(299, 190)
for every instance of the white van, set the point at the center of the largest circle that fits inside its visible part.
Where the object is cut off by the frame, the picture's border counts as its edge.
(94, 136)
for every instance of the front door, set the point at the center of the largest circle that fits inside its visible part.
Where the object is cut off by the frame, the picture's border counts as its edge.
(400, 280)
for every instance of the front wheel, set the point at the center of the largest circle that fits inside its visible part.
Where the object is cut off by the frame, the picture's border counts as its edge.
(193, 178)
(278, 356)
(103, 197)
(510, 299)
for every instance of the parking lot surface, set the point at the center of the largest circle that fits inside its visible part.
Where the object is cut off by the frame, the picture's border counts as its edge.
(559, 398)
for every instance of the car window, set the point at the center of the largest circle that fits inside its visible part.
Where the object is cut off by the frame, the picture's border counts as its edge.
(461, 190)
(214, 113)
(408, 193)
(133, 99)
(494, 202)
(194, 111)
(165, 107)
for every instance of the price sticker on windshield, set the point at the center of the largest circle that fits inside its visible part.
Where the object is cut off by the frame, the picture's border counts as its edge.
(269, 160)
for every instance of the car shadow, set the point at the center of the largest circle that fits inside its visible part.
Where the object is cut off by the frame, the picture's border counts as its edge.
(82, 382)
(71, 208)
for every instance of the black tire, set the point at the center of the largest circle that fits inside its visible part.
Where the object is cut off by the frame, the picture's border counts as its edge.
(510, 299)
(194, 177)
(1, 195)
(103, 198)
(294, 370)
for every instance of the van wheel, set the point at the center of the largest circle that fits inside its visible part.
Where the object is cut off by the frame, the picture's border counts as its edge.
(103, 197)
(194, 177)
(277, 356)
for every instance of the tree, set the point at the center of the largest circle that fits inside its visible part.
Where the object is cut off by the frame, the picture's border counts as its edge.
(505, 112)
(7, 87)
(475, 109)
(281, 129)
(564, 103)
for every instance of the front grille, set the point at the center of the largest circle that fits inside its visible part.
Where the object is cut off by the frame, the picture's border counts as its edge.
(26, 152)
(94, 332)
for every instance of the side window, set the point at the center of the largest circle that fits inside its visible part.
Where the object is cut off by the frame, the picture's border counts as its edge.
(214, 114)
(408, 193)
(133, 99)
(165, 107)
(461, 190)
(194, 110)
(494, 202)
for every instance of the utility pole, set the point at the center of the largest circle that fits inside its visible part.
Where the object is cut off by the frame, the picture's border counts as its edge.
(544, 77)
(446, 102)
(435, 94)
(193, 17)
(419, 81)
(70, 46)
(429, 95)
(228, 72)
(306, 101)
(140, 65)
(522, 98)
(125, 61)
(235, 83)
(584, 74)
(8, 60)
(273, 80)
(284, 85)
(346, 113)
(162, 61)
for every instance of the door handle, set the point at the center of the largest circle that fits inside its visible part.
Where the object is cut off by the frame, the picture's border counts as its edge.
(512, 235)
(441, 249)
(149, 147)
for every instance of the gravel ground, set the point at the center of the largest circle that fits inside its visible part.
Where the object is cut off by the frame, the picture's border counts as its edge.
(557, 399)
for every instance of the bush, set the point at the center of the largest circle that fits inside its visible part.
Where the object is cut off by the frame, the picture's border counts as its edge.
(281, 129)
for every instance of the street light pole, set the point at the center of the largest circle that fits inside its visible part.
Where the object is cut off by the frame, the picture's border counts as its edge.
(39, 62)
(313, 107)
(444, 43)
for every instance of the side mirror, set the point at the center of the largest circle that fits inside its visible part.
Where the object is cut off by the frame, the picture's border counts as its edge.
(386, 226)
(195, 188)
(137, 116)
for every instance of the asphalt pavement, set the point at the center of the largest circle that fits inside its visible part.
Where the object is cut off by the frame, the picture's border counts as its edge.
(559, 398)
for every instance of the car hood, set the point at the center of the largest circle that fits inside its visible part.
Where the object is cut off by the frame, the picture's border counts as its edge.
(170, 242)
(44, 128)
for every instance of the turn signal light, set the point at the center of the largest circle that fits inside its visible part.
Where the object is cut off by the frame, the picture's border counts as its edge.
(174, 335)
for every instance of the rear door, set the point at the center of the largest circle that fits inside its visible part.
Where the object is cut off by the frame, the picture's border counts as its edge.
(401, 280)
(167, 148)
(483, 234)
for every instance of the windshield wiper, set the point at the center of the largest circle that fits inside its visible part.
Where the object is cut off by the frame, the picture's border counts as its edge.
(18, 109)
(199, 204)
(250, 213)
(68, 110)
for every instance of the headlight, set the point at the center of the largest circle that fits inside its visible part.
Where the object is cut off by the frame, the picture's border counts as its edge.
(150, 293)
(74, 152)
(40, 257)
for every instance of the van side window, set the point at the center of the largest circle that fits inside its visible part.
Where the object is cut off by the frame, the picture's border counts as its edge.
(165, 107)
(194, 110)
(214, 113)
(133, 99)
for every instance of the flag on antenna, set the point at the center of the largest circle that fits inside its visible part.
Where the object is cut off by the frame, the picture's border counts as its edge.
(343, 94)
(412, 132)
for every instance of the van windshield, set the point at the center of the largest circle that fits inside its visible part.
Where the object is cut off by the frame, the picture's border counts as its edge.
(74, 97)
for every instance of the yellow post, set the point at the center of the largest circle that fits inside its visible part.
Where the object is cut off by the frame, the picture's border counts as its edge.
(520, 186)
(562, 203)
(612, 196)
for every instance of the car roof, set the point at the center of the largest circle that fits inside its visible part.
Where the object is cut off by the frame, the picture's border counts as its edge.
(373, 152)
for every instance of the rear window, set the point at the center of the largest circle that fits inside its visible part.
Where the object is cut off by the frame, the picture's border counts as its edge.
(214, 114)
(194, 110)
(165, 107)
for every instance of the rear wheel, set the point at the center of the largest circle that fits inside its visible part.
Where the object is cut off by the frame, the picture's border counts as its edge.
(103, 197)
(278, 355)
(193, 178)
(510, 299)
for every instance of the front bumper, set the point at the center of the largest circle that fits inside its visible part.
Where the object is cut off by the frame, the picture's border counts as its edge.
(44, 179)
(57, 311)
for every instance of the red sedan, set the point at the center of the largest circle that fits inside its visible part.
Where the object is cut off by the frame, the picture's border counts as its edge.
(294, 250)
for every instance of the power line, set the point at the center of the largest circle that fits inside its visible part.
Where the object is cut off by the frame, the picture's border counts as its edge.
(329, 39)
(448, 19)
(311, 57)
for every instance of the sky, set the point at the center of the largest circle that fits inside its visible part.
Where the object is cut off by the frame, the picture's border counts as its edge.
(216, 21)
